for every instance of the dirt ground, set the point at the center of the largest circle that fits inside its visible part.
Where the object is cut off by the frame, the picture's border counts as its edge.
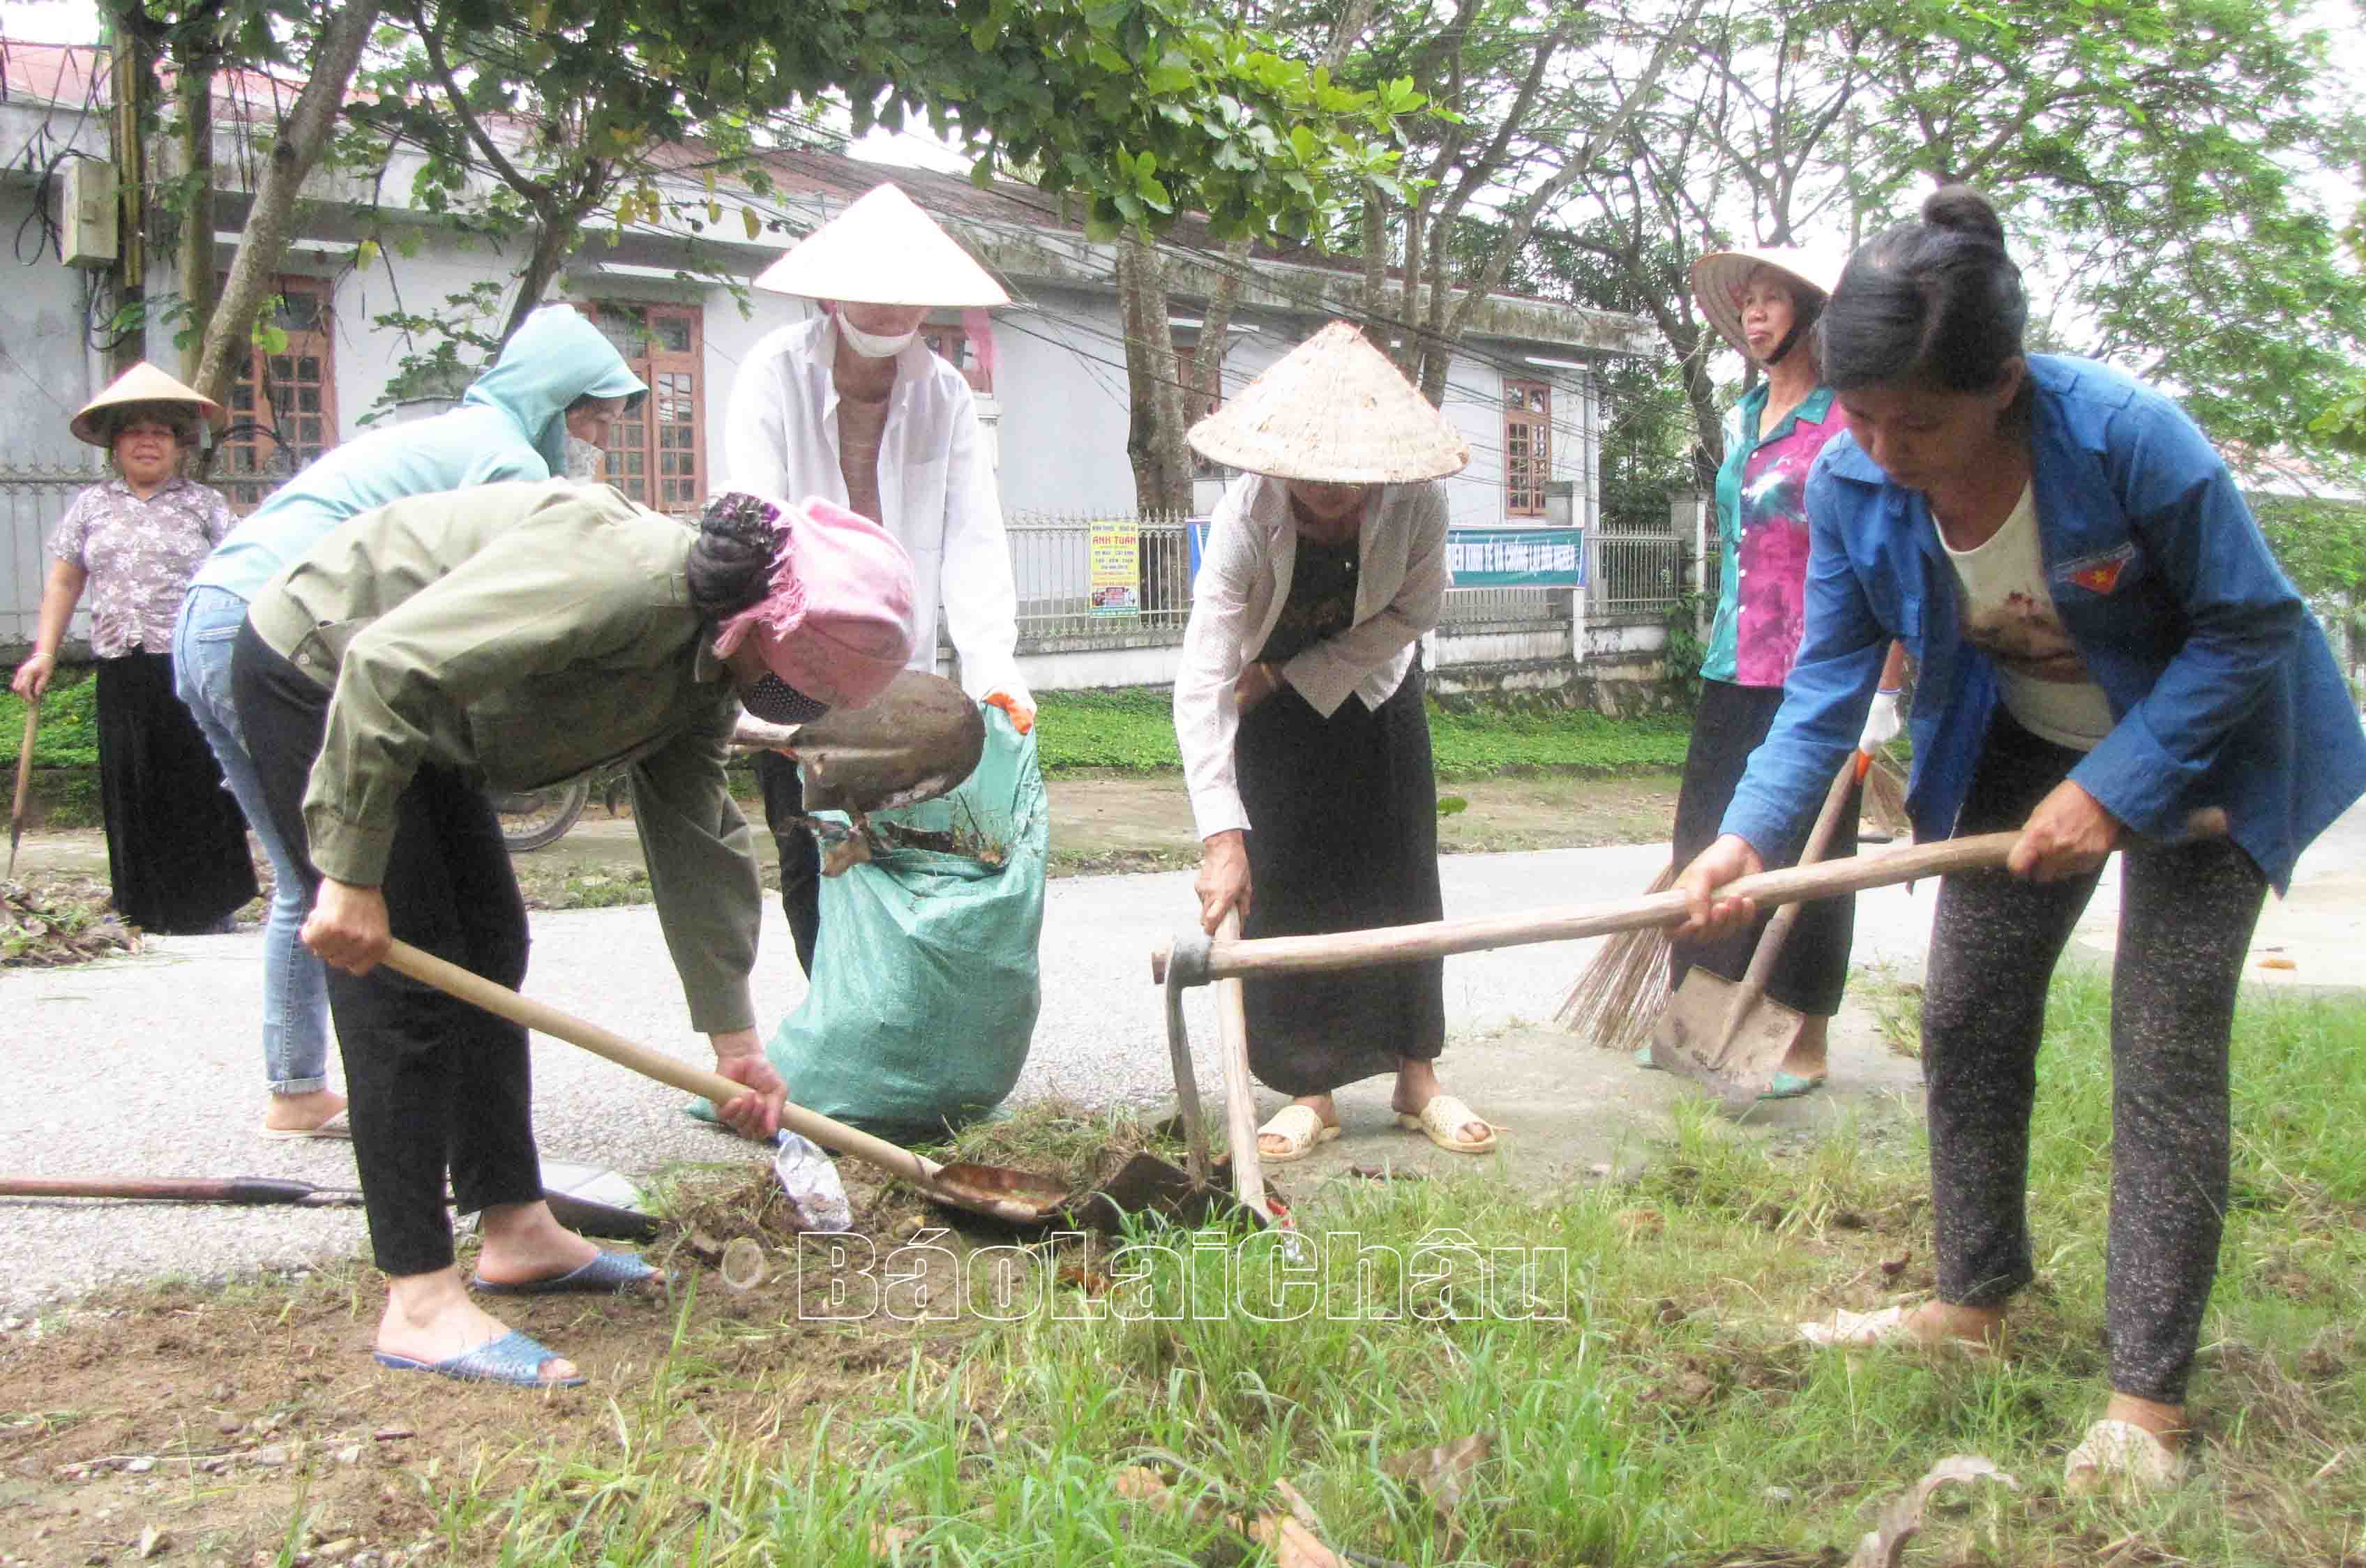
(245, 1425)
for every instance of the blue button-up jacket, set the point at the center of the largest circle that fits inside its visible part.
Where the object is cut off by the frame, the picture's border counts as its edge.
(2223, 690)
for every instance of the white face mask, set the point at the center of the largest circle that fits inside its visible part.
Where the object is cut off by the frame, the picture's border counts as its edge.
(584, 461)
(870, 345)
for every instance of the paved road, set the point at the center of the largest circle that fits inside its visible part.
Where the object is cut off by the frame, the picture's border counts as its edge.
(150, 1066)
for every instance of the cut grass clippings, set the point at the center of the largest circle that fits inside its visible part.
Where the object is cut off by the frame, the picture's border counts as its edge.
(1646, 1403)
(1132, 731)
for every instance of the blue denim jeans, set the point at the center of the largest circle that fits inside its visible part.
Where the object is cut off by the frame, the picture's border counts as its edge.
(295, 985)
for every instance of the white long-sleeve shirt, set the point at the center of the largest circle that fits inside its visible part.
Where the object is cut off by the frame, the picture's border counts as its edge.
(1244, 582)
(936, 486)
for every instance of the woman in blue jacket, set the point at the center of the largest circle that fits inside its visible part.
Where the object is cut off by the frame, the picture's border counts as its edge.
(2109, 658)
(557, 379)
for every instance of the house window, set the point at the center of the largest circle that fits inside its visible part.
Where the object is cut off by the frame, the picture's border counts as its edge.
(657, 451)
(283, 406)
(953, 345)
(1527, 447)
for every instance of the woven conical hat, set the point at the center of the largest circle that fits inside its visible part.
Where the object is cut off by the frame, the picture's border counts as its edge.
(1333, 408)
(143, 383)
(883, 250)
(1719, 278)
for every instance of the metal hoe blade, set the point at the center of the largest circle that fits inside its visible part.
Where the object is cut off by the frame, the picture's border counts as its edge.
(919, 739)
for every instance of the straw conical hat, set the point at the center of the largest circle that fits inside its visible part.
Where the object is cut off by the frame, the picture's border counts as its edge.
(1333, 408)
(882, 250)
(1719, 278)
(143, 383)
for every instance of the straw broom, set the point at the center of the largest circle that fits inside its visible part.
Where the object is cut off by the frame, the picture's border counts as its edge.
(1618, 996)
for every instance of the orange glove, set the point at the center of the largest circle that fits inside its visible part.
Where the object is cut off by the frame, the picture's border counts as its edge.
(1022, 718)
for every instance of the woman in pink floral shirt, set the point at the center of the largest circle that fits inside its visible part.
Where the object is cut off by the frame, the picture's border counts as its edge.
(176, 843)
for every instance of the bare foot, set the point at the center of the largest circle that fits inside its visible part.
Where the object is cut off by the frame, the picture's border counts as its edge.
(523, 1242)
(1811, 1055)
(301, 1113)
(429, 1318)
(1936, 1323)
(1417, 1085)
(1275, 1144)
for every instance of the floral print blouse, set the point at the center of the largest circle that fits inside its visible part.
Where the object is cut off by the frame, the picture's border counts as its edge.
(1762, 514)
(140, 555)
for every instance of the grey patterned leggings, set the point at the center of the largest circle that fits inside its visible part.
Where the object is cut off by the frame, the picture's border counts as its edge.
(2187, 912)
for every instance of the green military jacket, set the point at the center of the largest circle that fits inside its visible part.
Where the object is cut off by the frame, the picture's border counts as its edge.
(524, 634)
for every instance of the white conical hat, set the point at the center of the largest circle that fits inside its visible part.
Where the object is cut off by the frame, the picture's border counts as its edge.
(1719, 278)
(143, 383)
(1333, 408)
(882, 250)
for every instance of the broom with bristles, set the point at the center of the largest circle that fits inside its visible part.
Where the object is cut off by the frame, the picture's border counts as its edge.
(1618, 996)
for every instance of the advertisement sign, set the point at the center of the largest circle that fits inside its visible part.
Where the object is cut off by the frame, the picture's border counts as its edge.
(1516, 558)
(1115, 587)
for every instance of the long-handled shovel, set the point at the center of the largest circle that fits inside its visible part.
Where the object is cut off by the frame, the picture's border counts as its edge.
(1724, 1033)
(577, 1214)
(1441, 938)
(24, 778)
(1015, 1197)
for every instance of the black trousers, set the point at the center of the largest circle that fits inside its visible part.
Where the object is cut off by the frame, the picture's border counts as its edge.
(1812, 971)
(784, 799)
(177, 854)
(436, 1085)
(2186, 911)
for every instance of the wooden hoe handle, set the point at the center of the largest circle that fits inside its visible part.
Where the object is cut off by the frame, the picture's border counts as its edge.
(453, 980)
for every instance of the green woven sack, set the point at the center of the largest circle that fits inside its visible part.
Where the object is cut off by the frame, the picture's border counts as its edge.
(927, 988)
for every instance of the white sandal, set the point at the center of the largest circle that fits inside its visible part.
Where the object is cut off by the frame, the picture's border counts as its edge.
(1442, 1120)
(2122, 1458)
(1299, 1125)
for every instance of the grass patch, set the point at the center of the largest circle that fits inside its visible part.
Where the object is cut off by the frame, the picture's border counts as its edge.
(1132, 731)
(68, 737)
(1645, 1400)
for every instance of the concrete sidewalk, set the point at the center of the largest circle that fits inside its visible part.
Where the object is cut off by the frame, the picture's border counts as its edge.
(150, 1066)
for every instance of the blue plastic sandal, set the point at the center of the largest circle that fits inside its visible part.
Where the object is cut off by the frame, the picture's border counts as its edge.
(604, 1275)
(1791, 1086)
(513, 1359)
(1643, 1059)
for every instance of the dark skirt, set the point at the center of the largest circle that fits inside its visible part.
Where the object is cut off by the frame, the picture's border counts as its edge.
(1813, 969)
(176, 843)
(1343, 835)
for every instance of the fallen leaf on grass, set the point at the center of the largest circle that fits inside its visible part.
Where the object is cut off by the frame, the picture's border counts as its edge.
(887, 1541)
(1442, 1472)
(1094, 1284)
(1901, 1521)
(1293, 1541)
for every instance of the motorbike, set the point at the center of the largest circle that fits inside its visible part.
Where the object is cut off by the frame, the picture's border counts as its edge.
(537, 818)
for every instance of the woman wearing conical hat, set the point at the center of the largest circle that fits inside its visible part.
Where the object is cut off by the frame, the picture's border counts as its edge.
(1765, 302)
(852, 407)
(175, 844)
(1299, 713)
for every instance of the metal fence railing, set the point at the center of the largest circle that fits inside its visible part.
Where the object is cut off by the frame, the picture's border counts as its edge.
(1050, 563)
(1467, 606)
(32, 499)
(1632, 572)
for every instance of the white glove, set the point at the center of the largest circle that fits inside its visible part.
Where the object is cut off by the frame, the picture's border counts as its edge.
(1883, 723)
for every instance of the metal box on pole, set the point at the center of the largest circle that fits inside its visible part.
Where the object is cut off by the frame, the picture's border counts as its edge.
(89, 212)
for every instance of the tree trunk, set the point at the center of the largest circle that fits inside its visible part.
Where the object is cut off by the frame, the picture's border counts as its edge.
(197, 93)
(553, 240)
(293, 153)
(127, 148)
(1153, 436)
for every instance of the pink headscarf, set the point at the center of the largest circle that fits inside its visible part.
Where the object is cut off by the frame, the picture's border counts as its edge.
(838, 622)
